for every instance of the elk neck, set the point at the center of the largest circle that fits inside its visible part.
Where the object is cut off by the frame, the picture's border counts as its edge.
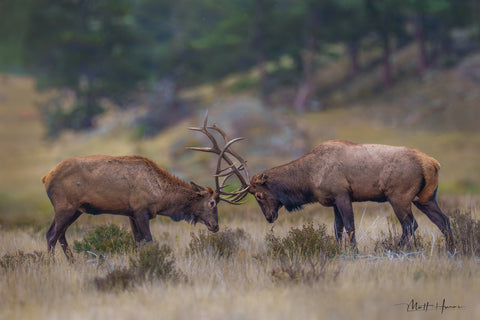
(176, 203)
(291, 184)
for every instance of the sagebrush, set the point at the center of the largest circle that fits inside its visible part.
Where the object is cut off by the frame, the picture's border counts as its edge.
(221, 244)
(302, 243)
(106, 239)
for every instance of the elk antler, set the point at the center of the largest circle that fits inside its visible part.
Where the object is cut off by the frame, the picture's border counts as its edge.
(226, 173)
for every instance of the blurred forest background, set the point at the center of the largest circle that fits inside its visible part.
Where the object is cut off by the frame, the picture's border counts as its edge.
(80, 77)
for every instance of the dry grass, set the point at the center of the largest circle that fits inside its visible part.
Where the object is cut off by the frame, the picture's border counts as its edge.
(248, 283)
(242, 285)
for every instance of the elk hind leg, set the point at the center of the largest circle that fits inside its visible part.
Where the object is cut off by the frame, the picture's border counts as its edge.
(435, 214)
(63, 219)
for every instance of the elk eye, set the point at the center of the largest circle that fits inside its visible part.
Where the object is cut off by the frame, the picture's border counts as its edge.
(259, 196)
(212, 204)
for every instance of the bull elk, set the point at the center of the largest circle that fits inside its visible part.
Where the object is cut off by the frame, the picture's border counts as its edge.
(338, 172)
(132, 186)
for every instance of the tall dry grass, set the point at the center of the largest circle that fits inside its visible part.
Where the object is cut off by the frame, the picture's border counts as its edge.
(368, 285)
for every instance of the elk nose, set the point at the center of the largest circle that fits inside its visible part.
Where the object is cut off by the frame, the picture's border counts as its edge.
(213, 228)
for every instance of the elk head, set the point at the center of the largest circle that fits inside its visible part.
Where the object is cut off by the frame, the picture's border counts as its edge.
(236, 167)
(267, 201)
(205, 209)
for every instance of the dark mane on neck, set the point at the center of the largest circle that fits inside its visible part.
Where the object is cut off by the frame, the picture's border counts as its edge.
(292, 190)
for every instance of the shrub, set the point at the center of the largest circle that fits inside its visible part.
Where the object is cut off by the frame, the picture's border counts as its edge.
(303, 243)
(118, 279)
(466, 232)
(303, 255)
(154, 261)
(220, 244)
(389, 242)
(304, 271)
(106, 239)
(20, 258)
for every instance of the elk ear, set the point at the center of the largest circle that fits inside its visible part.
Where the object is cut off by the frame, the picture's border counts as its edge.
(261, 179)
(198, 189)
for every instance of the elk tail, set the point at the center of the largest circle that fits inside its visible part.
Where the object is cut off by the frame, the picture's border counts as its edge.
(430, 168)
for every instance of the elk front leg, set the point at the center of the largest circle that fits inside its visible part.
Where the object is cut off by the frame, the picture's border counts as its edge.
(338, 224)
(142, 222)
(137, 235)
(343, 203)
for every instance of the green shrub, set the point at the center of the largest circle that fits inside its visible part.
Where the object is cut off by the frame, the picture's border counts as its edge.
(303, 255)
(155, 261)
(151, 262)
(106, 239)
(221, 244)
(466, 232)
(302, 244)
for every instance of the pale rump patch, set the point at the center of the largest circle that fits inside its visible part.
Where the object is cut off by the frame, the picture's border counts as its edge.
(430, 168)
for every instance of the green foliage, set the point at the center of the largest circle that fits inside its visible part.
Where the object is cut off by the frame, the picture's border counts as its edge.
(302, 244)
(222, 244)
(88, 47)
(466, 232)
(106, 239)
(155, 261)
(111, 50)
(152, 262)
(303, 255)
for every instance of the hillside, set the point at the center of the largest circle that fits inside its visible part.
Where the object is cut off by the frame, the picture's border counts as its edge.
(438, 115)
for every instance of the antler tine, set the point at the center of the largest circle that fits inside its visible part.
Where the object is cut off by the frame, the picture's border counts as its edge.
(231, 170)
(233, 153)
(230, 162)
(235, 196)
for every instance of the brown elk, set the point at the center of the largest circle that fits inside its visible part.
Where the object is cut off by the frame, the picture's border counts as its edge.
(337, 173)
(132, 186)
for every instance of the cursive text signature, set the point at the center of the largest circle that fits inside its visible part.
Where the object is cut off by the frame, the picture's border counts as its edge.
(425, 306)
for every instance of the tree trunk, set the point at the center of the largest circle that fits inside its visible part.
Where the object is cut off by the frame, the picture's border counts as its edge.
(352, 48)
(306, 86)
(259, 39)
(420, 39)
(387, 69)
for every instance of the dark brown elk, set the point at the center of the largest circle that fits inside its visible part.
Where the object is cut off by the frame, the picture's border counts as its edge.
(132, 186)
(337, 173)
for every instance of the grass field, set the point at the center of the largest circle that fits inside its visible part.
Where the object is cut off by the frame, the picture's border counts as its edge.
(249, 284)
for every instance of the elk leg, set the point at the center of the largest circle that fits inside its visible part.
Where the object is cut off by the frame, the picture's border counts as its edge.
(63, 219)
(142, 221)
(433, 212)
(338, 224)
(136, 233)
(343, 203)
(403, 211)
(66, 250)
